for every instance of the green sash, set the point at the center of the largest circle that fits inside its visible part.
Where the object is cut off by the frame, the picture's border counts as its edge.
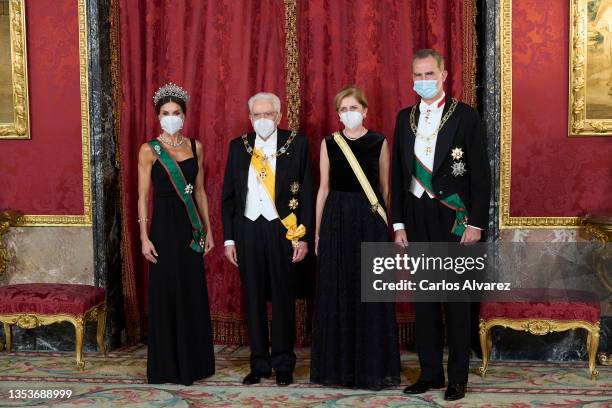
(184, 191)
(454, 202)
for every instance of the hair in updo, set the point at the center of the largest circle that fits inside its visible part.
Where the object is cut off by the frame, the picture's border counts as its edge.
(170, 98)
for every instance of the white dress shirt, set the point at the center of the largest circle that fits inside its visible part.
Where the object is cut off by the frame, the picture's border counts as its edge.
(258, 202)
(429, 121)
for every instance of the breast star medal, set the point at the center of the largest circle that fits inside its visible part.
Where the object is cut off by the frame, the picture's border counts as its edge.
(428, 150)
(188, 189)
(457, 153)
(293, 203)
(294, 187)
(458, 169)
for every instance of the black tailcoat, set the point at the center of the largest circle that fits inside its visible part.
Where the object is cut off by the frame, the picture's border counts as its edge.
(264, 253)
(462, 130)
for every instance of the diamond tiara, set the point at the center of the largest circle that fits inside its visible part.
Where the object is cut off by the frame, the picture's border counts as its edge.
(170, 89)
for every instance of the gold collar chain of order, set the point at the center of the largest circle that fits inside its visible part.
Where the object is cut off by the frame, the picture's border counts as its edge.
(279, 152)
(445, 118)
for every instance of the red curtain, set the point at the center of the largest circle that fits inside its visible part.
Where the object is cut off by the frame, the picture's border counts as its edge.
(370, 43)
(224, 51)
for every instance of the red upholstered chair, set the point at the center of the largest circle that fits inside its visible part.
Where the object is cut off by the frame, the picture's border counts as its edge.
(37, 304)
(540, 318)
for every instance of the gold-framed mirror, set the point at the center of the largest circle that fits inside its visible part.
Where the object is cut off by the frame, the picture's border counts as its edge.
(14, 107)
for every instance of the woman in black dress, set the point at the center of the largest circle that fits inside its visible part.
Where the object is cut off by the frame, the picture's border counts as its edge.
(354, 343)
(180, 347)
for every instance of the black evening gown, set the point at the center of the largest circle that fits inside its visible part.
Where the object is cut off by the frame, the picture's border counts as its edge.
(180, 345)
(354, 344)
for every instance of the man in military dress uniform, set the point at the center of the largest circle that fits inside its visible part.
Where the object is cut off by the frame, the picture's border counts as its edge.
(440, 193)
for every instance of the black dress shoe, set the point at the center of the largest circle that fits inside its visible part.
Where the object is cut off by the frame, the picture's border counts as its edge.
(252, 378)
(284, 379)
(454, 392)
(422, 386)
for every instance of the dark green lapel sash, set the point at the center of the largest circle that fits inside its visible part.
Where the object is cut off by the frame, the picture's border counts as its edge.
(454, 202)
(184, 191)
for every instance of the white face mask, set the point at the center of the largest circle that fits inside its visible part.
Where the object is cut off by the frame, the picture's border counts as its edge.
(264, 127)
(171, 123)
(351, 119)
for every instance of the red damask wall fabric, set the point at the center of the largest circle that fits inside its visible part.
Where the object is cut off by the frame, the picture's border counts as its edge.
(552, 175)
(44, 175)
(221, 52)
(224, 51)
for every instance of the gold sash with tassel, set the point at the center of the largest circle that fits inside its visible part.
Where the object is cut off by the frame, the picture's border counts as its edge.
(266, 176)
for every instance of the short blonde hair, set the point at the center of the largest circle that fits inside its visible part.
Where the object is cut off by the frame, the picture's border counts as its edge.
(351, 90)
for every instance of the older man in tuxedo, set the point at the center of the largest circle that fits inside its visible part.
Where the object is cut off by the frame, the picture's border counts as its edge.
(267, 211)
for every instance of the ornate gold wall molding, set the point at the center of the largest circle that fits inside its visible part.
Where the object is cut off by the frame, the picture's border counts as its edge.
(506, 221)
(578, 123)
(292, 73)
(86, 218)
(19, 128)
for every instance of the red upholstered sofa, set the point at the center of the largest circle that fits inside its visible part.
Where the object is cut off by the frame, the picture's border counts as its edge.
(36, 304)
(541, 318)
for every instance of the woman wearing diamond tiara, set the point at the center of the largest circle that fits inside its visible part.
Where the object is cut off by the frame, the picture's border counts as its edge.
(180, 348)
